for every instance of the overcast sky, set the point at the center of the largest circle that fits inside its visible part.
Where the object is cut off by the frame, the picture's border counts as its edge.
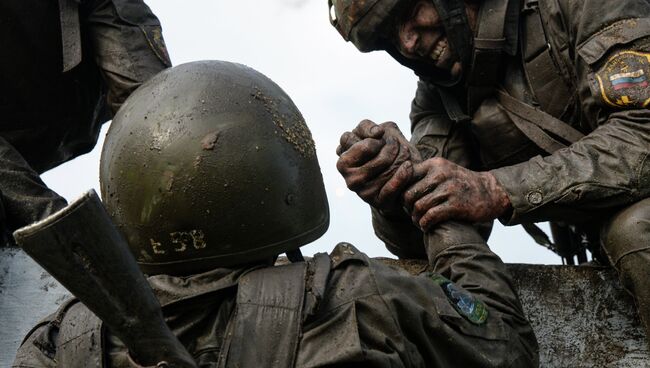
(335, 86)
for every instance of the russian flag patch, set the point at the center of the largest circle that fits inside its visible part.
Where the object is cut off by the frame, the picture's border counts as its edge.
(623, 80)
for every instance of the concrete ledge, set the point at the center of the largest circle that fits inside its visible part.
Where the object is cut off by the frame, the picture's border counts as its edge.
(581, 315)
(27, 294)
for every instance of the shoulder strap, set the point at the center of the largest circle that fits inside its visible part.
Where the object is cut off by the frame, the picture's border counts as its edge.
(70, 33)
(489, 44)
(545, 67)
(452, 107)
(268, 317)
(535, 124)
(80, 343)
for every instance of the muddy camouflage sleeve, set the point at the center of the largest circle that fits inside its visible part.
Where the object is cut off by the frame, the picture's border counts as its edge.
(609, 167)
(24, 198)
(129, 49)
(447, 330)
(128, 45)
(375, 315)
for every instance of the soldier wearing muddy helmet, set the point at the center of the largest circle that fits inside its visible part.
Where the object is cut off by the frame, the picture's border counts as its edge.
(371, 25)
(196, 178)
(210, 171)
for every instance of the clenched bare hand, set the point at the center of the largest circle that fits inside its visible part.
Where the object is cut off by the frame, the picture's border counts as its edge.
(376, 162)
(446, 191)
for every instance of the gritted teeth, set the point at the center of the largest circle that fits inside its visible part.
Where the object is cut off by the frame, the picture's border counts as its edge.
(439, 50)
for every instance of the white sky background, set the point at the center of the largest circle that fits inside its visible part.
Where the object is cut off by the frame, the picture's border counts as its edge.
(334, 86)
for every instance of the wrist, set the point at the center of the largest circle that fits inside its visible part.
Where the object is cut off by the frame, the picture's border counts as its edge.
(500, 198)
(449, 234)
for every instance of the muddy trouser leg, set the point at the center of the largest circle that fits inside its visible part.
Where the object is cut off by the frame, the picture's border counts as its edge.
(626, 241)
(24, 196)
(127, 44)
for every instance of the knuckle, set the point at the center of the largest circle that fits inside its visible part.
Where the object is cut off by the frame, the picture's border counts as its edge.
(421, 207)
(375, 144)
(403, 152)
(390, 186)
(403, 172)
(366, 146)
(353, 183)
(366, 122)
(364, 125)
(368, 194)
(345, 137)
(425, 222)
(407, 197)
(437, 161)
(342, 165)
(392, 148)
(438, 177)
(339, 150)
(431, 217)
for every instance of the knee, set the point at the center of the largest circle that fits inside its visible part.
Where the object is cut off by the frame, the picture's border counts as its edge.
(628, 231)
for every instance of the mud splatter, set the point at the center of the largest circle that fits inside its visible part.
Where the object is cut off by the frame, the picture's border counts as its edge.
(292, 125)
(209, 141)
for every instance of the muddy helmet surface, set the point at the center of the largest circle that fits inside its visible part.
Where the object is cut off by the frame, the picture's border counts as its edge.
(210, 164)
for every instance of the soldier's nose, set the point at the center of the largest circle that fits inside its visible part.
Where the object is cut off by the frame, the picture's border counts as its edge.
(408, 40)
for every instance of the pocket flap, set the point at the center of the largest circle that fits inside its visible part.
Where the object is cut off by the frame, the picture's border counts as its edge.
(135, 12)
(619, 33)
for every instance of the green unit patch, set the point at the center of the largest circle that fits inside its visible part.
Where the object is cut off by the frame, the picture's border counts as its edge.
(464, 302)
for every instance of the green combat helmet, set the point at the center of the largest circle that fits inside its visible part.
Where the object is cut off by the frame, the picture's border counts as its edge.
(365, 23)
(210, 164)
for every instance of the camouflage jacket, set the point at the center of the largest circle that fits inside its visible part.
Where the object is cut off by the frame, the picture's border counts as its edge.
(69, 64)
(585, 62)
(338, 310)
(51, 111)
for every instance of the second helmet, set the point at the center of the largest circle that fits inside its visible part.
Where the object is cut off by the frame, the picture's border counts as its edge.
(210, 164)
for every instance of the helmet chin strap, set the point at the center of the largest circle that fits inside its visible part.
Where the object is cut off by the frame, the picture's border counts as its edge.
(488, 49)
(295, 255)
(453, 15)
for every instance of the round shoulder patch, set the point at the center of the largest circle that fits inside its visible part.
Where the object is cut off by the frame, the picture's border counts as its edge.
(473, 309)
(624, 79)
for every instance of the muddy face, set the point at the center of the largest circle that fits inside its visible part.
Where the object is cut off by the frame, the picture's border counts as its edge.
(421, 35)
